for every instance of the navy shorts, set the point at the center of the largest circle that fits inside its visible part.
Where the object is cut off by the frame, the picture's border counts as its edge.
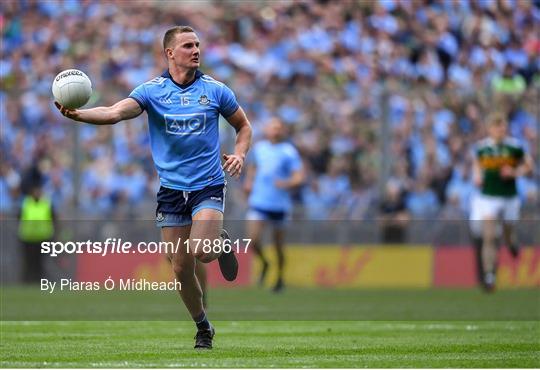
(276, 218)
(177, 207)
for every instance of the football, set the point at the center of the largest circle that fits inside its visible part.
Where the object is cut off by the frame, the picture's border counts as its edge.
(72, 88)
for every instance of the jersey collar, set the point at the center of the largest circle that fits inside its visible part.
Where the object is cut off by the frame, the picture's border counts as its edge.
(167, 74)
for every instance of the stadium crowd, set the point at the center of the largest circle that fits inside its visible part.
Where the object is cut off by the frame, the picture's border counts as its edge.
(362, 85)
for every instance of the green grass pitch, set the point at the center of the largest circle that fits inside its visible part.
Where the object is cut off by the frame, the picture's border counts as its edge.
(384, 328)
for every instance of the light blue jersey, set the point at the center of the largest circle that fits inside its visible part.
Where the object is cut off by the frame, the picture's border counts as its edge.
(273, 162)
(184, 132)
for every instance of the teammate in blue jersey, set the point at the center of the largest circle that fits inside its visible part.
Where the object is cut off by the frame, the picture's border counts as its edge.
(274, 169)
(183, 107)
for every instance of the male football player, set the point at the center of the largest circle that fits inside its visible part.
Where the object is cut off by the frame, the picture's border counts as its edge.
(183, 107)
(275, 169)
(498, 161)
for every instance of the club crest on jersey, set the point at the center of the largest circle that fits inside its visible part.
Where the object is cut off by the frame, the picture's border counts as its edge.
(203, 100)
(160, 217)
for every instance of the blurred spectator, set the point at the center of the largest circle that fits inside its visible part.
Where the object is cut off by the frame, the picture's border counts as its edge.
(36, 225)
(9, 187)
(509, 82)
(315, 207)
(394, 214)
(334, 185)
(421, 201)
(461, 190)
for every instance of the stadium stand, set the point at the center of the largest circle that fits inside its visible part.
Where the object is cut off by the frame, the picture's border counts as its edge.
(384, 94)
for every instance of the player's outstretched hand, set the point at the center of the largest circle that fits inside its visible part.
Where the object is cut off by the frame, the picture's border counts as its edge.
(69, 113)
(233, 164)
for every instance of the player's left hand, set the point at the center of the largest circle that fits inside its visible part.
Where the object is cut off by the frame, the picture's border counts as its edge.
(508, 172)
(281, 184)
(233, 164)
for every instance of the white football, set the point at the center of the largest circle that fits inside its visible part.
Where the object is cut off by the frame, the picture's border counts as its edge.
(72, 88)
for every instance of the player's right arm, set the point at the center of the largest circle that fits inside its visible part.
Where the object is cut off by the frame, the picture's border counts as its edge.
(123, 110)
(250, 176)
(296, 179)
(478, 174)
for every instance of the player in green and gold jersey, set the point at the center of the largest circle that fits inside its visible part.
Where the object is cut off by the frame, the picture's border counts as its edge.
(498, 161)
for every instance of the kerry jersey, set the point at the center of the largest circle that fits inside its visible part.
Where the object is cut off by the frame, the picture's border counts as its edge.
(492, 157)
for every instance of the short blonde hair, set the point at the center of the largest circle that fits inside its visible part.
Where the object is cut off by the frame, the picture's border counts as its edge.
(168, 38)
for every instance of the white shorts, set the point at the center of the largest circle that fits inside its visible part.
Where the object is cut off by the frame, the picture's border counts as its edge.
(488, 207)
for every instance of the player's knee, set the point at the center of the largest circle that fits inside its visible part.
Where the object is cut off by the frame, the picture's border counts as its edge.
(204, 257)
(181, 271)
(489, 223)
